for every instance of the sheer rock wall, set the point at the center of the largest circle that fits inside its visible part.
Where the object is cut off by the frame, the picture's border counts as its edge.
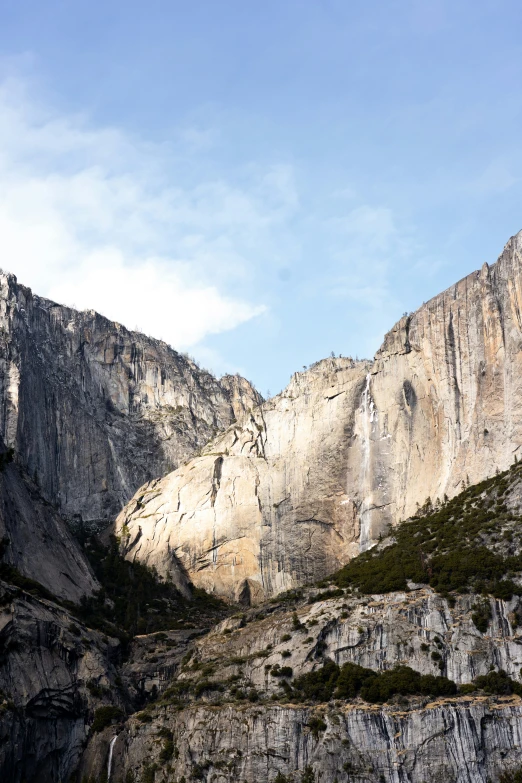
(93, 410)
(457, 741)
(318, 472)
(36, 541)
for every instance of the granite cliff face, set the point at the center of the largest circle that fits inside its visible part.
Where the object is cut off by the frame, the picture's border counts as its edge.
(265, 506)
(93, 410)
(446, 391)
(467, 742)
(284, 495)
(316, 474)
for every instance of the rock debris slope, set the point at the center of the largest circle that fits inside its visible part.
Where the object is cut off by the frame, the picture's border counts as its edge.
(317, 473)
(93, 410)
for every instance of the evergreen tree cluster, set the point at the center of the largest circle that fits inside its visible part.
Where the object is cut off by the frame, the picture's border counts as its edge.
(133, 599)
(470, 543)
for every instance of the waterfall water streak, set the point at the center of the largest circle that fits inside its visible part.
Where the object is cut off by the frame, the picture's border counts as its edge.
(109, 763)
(365, 514)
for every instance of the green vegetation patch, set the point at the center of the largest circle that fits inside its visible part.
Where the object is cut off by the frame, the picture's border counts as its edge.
(135, 600)
(351, 680)
(104, 716)
(511, 776)
(454, 547)
(498, 684)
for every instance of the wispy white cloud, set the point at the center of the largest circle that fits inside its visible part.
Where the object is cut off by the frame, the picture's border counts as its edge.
(87, 216)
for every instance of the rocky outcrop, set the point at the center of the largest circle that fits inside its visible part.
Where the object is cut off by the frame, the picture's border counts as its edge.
(153, 662)
(317, 473)
(243, 397)
(417, 629)
(93, 410)
(54, 674)
(446, 392)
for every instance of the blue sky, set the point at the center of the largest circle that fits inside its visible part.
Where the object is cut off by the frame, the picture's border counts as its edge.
(259, 184)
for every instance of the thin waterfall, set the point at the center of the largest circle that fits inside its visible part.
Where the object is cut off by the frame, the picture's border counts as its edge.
(368, 413)
(109, 763)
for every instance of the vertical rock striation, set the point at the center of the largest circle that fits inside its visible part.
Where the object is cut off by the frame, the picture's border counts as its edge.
(457, 741)
(54, 674)
(94, 410)
(447, 391)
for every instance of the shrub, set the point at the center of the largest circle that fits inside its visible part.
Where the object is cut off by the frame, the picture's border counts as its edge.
(308, 775)
(149, 773)
(296, 624)
(205, 685)
(318, 685)
(316, 725)
(498, 683)
(198, 770)
(482, 615)
(511, 776)
(326, 595)
(352, 680)
(104, 716)
(167, 751)
(95, 689)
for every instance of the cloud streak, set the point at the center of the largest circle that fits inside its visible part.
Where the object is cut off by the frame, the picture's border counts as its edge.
(88, 217)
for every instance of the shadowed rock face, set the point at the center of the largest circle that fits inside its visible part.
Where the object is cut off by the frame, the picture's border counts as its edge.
(54, 673)
(93, 410)
(36, 541)
(310, 477)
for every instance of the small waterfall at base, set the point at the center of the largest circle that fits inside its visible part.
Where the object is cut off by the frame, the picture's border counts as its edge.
(109, 763)
(368, 413)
